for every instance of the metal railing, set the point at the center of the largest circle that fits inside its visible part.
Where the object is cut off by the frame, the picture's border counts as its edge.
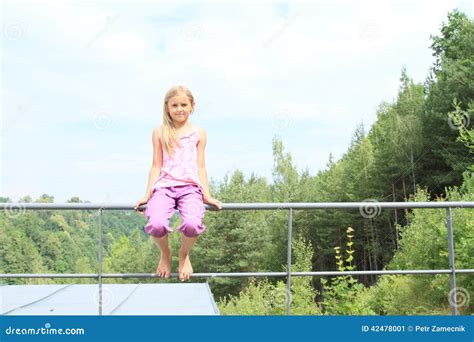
(259, 206)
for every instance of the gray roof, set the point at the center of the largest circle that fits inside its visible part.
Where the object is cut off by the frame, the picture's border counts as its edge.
(118, 299)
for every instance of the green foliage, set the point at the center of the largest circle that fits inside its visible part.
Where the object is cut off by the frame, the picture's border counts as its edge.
(235, 241)
(396, 137)
(60, 241)
(445, 158)
(403, 295)
(341, 295)
(424, 245)
(264, 298)
(462, 121)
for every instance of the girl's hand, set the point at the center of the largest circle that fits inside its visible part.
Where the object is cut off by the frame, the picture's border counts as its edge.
(213, 201)
(141, 201)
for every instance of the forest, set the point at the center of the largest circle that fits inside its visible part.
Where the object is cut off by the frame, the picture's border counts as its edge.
(419, 149)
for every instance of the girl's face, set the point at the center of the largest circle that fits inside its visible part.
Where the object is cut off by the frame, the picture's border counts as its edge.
(179, 107)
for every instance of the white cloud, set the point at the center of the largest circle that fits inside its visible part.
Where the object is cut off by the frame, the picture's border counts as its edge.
(111, 163)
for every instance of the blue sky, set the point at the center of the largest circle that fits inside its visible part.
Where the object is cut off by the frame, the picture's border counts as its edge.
(83, 83)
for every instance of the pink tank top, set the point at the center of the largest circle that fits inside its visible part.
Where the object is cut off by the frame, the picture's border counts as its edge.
(181, 168)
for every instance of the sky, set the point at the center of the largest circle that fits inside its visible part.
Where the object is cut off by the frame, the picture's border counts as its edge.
(83, 84)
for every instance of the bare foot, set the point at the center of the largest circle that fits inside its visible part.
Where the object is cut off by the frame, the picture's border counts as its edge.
(164, 267)
(185, 269)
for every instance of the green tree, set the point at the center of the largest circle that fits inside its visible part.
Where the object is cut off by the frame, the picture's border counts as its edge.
(424, 245)
(445, 158)
(265, 298)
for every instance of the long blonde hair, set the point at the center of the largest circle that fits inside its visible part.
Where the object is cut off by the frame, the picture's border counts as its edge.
(170, 134)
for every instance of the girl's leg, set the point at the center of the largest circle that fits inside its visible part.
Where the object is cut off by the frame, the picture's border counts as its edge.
(164, 266)
(185, 268)
(191, 209)
(159, 210)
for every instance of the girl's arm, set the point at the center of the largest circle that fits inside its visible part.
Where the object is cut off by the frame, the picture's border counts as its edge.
(157, 161)
(202, 172)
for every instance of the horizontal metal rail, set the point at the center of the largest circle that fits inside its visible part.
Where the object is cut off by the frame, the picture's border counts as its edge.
(247, 206)
(231, 274)
(368, 207)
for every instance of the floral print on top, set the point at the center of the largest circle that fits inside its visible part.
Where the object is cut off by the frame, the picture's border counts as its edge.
(181, 168)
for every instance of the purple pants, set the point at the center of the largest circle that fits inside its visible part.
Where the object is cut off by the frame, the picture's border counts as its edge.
(164, 201)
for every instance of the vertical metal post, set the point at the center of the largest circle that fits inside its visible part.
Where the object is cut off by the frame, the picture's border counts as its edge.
(100, 261)
(452, 292)
(288, 277)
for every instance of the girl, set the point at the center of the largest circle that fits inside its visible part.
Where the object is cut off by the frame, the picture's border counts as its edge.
(177, 180)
